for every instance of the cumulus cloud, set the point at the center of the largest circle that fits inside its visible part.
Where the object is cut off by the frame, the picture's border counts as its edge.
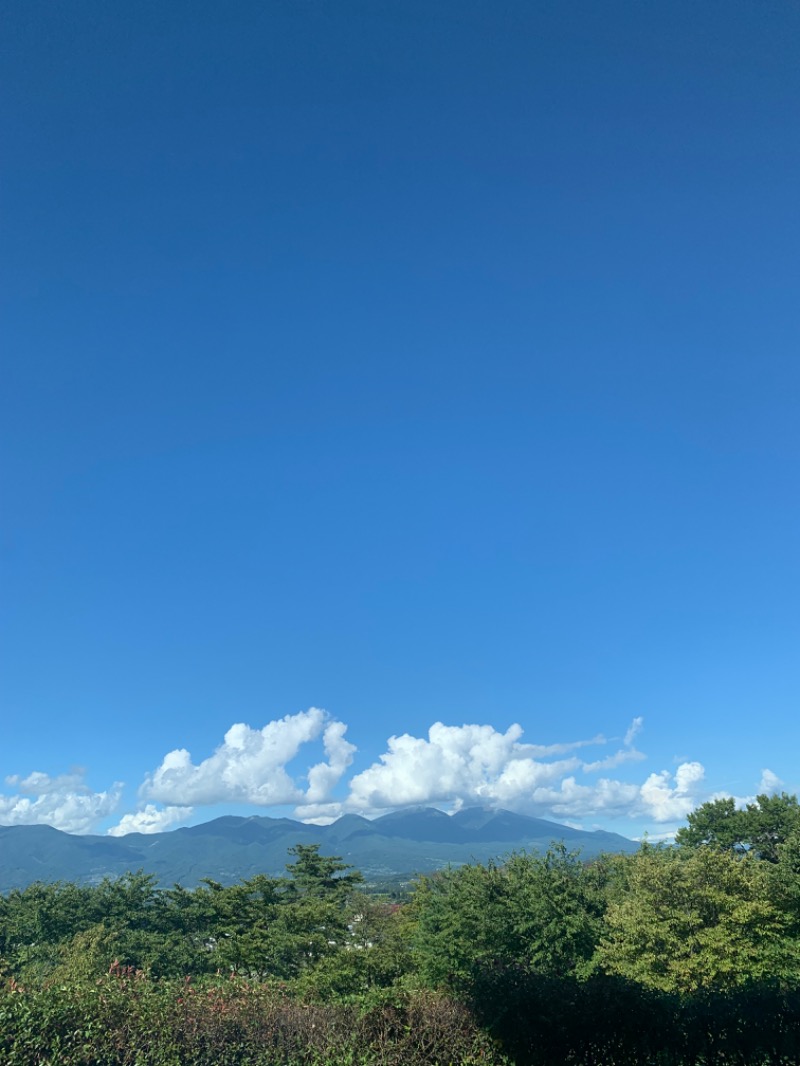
(467, 763)
(770, 783)
(662, 797)
(476, 764)
(569, 799)
(250, 765)
(150, 819)
(457, 766)
(65, 802)
(451, 767)
(319, 813)
(323, 777)
(666, 801)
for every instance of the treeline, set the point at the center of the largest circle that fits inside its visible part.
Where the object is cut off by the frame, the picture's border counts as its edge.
(673, 955)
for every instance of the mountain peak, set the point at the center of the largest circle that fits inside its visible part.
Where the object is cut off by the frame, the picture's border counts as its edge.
(233, 848)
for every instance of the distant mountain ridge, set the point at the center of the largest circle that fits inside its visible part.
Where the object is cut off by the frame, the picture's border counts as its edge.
(232, 848)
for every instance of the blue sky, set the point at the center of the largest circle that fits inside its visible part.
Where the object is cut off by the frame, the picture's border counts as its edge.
(435, 365)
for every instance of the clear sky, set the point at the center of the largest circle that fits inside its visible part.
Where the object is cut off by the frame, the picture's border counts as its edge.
(434, 364)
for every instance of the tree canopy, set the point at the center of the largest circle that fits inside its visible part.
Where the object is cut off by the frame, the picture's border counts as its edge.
(761, 827)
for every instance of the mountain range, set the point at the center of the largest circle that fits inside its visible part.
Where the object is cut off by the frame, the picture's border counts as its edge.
(231, 848)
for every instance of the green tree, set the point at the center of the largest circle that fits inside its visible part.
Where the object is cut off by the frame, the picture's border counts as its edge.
(316, 912)
(760, 827)
(539, 913)
(244, 931)
(459, 924)
(320, 876)
(283, 927)
(717, 823)
(786, 881)
(772, 821)
(34, 921)
(555, 906)
(692, 919)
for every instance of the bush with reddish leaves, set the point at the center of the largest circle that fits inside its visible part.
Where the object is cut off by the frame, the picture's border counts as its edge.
(129, 1019)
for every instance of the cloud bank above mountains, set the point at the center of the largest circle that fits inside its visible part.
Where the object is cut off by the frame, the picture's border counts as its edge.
(453, 767)
(66, 802)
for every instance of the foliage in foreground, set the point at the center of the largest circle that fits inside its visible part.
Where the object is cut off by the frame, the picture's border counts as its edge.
(129, 1019)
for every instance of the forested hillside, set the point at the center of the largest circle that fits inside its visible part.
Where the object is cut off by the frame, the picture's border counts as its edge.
(231, 849)
(684, 954)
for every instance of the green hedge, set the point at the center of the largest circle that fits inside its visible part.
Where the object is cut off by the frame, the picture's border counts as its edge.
(128, 1019)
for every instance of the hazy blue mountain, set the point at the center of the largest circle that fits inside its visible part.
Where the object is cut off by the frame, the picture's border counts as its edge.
(228, 849)
(39, 853)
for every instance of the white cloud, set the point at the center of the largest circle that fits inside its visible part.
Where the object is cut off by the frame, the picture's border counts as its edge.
(457, 766)
(666, 802)
(467, 764)
(150, 819)
(250, 765)
(65, 802)
(770, 783)
(659, 798)
(543, 751)
(476, 764)
(318, 813)
(634, 729)
(451, 767)
(611, 761)
(657, 838)
(323, 777)
(628, 753)
(571, 800)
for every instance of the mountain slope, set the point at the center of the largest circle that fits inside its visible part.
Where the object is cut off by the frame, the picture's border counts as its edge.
(229, 849)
